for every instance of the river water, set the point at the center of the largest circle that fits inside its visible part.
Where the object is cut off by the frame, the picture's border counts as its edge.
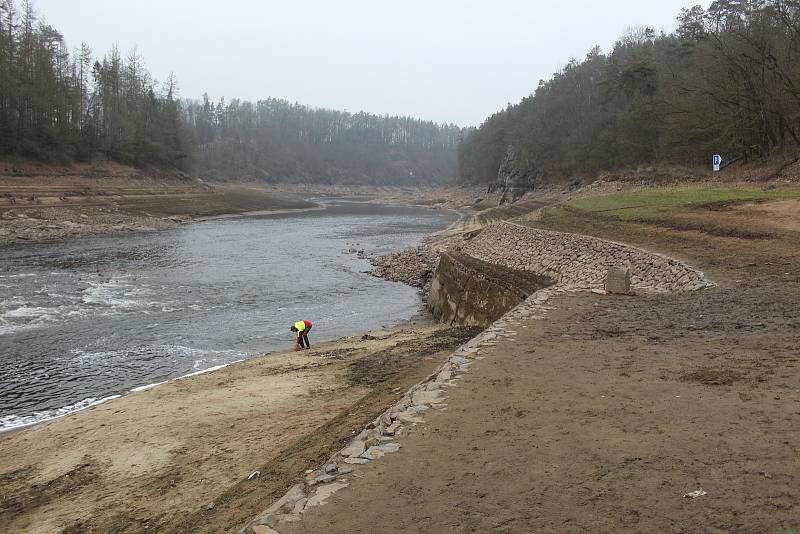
(88, 319)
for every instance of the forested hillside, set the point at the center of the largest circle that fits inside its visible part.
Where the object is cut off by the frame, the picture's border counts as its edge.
(726, 81)
(58, 106)
(61, 106)
(275, 140)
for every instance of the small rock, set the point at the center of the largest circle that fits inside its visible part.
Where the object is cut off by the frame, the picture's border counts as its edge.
(313, 474)
(426, 397)
(299, 506)
(394, 427)
(322, 478)
(323, 493)
(385, 420)
(344, 470)
(356, 448)
(373, 453)
(408, 417)
(444, 375)
(330, 468)
(294, 504)
(695, 494)
(294, 493)
(371, 442)
(356, 461)
(261, 529)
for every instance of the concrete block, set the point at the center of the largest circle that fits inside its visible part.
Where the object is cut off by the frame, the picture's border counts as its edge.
(618, 280)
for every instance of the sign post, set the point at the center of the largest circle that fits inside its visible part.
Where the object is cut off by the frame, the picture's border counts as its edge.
(716, 161)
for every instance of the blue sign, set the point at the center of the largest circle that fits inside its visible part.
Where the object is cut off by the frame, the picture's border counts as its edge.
(716, 161)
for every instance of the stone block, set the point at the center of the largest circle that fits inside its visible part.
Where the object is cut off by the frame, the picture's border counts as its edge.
(378, 451)
(618, 280)
(356, 448)
(356, 461)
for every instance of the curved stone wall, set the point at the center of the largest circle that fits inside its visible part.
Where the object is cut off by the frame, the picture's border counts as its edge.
(574, 260)
(468, 291)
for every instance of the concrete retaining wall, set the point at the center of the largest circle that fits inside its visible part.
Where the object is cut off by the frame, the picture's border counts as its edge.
(469, 291)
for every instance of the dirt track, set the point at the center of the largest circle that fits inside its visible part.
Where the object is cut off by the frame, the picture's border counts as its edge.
(600, 417)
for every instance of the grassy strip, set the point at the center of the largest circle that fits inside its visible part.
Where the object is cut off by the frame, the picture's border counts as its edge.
(660, 205)
(670, 208)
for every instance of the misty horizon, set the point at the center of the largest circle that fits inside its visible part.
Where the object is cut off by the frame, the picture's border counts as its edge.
(452, 63)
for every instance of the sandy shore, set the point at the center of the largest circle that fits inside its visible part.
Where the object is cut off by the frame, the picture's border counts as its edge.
(176, 458)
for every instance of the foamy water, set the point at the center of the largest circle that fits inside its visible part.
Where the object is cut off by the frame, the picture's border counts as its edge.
(84, 321)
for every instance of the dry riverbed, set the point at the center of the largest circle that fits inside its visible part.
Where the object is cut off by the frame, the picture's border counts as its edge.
(39, 203)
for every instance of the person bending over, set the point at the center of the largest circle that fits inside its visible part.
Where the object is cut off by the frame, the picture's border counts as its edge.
(302, 328)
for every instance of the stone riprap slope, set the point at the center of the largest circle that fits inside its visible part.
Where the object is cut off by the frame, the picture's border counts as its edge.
(575, 260)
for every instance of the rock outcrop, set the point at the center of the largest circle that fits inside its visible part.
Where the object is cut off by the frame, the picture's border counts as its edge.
(514, 177)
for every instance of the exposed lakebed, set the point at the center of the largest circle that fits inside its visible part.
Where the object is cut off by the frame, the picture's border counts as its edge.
(90, 318)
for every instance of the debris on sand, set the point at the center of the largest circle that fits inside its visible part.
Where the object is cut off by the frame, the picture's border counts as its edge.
(695, 494)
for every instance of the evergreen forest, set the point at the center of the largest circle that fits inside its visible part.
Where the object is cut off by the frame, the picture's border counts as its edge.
(727, 82)
(61, 106)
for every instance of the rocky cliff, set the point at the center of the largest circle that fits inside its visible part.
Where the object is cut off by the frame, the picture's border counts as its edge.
(515, 177)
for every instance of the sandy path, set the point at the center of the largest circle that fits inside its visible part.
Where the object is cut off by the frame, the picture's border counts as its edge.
(176, 457)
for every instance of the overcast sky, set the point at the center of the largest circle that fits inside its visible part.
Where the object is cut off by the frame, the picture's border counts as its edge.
(443, 60)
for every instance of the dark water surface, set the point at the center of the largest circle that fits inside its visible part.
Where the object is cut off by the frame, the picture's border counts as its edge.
(94, 317)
